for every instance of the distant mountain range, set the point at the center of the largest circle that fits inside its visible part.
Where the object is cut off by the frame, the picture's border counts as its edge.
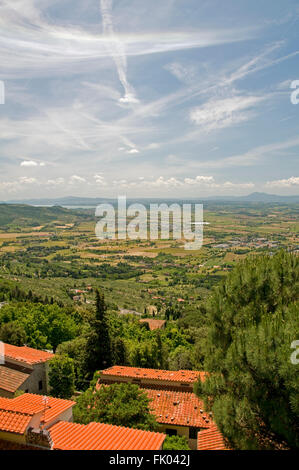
(86, 201)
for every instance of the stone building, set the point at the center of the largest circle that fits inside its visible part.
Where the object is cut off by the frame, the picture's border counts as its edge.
(23, 368)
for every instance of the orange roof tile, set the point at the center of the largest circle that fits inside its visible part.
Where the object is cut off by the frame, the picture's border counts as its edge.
(211, 439)
(16, 413)
(178, 408)
(12, 419)
(98, 436)
(14, 422)
(11, 404)
(153, 324)
(24, 354)
(54, 406)
(10, 379)
(183, 376)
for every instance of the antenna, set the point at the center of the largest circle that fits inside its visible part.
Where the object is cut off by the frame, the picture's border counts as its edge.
(45, 401)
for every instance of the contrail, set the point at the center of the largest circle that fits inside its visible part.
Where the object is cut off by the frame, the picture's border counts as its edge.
(117, 52)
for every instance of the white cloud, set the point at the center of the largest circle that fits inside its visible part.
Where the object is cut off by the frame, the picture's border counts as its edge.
(99, 179)
(28, 163)
(202, 182)
(152, 146)
(26, 180)
(285, 183)
(199, 180)
(184, 73)
(132, 151)
(18, 184)
(56, 181)
(161, 181)
(221, 113)
(77, 179)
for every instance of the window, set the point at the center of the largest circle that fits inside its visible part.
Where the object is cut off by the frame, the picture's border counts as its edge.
(40, 385)
(171, 432)
(193, 433)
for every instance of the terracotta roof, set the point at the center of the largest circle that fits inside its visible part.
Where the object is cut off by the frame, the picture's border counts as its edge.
(12, 419)
(178, 408)
(153, 324)
(211, 439)
(11, 404)
(14, 422)
(10, 379)
(182, 376)
(24, 354)
(98, 436)
(54, 406)
(16, 413)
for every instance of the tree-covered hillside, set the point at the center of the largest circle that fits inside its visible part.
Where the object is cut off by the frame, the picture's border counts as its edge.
(21, 215)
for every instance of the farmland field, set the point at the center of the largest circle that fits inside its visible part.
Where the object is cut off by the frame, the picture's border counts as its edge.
(55, 251)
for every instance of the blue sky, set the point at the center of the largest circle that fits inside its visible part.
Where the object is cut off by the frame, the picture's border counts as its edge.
(173, 98)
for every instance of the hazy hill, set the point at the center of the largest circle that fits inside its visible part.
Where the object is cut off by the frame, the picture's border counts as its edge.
(21, 215)
(90, 201)
(264, 197)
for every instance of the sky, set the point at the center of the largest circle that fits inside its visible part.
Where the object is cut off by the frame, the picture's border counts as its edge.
(148, 98)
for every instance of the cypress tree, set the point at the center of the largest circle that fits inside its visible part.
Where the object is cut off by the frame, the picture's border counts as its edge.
(99, 354)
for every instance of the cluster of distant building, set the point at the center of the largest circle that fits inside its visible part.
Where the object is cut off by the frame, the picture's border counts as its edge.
(254, 243)
(35, 420)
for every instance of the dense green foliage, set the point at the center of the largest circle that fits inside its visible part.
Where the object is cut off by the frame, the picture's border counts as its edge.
(11, 291)
(108, 338)
(120, 404)
(175, 443)
(253, 389)
(45, 326)
(76, 350)
(13, 333)
(62, 377)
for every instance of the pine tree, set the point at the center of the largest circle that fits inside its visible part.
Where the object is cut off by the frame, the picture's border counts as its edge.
(252, 387)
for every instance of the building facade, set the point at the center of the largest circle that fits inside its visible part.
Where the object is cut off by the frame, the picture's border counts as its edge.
(25, 369)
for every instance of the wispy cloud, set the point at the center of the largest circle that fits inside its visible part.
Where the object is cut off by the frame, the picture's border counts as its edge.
(30, 43)
(255, 156)
(220, 113)
(117, 51)
(104, 88)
